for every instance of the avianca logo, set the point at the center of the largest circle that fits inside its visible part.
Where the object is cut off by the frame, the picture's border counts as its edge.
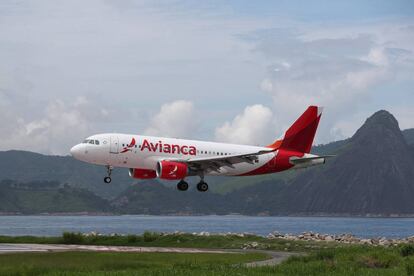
(167, 148)
(174, 170)
(129, 147)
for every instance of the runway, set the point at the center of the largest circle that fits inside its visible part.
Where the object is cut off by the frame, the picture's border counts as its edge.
(276, 256)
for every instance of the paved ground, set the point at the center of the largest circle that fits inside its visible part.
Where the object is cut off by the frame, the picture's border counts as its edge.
(277, 257)
(9, 248)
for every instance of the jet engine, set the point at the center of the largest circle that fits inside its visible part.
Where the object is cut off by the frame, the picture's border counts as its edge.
(142, 173)
(170, 170)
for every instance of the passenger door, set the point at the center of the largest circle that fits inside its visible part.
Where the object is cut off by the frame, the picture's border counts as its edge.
(114, 144)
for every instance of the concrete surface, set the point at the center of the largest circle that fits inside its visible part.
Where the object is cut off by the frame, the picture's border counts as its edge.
(277, 256)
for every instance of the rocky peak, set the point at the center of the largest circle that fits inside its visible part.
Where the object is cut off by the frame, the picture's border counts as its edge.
(373, 173)
(381, 131)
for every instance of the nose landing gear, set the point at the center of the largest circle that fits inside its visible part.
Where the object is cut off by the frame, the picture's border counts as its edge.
(108, 179)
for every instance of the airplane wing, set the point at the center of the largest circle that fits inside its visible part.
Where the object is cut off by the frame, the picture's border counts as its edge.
(214, 163)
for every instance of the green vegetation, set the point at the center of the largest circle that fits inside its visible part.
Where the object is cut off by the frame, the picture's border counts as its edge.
(318, 258)
(407, 250)
(351, 260)
(91, 263)
(176, 240)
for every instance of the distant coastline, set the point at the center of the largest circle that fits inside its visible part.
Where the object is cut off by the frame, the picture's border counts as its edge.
(316, 215)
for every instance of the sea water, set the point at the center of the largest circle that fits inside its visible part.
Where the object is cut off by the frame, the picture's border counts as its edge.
(137, 224)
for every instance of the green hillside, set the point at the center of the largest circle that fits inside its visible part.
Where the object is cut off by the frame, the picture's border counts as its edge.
(47, 197)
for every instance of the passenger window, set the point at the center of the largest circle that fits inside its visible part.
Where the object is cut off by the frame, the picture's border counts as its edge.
(96, 142)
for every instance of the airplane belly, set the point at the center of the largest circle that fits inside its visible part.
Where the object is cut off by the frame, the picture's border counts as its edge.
(127, 159)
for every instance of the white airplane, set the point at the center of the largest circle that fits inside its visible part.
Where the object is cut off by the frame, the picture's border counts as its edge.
(175, 159)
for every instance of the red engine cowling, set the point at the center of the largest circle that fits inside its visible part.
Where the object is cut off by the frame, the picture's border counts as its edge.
(142, 173)
(171, 170)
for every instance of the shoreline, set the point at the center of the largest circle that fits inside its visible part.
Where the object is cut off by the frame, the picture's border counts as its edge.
(252, 241)
(103, 214)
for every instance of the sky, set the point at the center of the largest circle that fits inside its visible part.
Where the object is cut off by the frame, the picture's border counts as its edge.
(229, 71)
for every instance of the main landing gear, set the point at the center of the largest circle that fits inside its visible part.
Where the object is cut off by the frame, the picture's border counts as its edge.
(201, 186)
(182, 185)
(108, 179)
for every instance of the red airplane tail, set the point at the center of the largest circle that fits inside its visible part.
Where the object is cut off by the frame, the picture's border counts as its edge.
(299, 137)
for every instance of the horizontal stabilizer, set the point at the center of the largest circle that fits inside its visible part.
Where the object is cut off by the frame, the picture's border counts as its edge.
(298, 160)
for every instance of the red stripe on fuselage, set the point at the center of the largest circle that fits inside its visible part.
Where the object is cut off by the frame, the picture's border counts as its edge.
(280, 162)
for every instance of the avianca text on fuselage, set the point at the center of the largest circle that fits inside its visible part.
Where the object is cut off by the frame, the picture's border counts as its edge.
(176, 159)
(168, 148)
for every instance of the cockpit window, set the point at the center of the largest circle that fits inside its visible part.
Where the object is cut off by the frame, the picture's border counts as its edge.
(90, 141)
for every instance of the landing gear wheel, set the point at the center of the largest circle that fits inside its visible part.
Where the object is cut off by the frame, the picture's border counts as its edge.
(202, 186)
(108, 179)
(182, 186)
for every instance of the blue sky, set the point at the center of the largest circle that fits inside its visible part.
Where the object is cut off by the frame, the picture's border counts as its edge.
(232, 71)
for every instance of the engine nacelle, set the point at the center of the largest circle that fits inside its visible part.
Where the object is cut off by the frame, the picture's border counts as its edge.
(170, 170)
(142, 173)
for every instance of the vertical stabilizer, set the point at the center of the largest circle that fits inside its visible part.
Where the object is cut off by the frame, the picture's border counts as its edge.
(299, 137)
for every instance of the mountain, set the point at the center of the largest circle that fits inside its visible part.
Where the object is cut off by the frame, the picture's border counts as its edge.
(47, 197)
(24, 166)
(373, 174)
(409, 136)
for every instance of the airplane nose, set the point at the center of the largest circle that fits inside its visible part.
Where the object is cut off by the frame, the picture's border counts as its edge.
(75, 151)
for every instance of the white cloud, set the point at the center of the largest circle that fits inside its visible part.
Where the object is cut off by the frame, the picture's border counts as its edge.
(266, 85)
(125, 57)
(176, 119)
(60, 127)
(253, 126)
(339, 72)
(377, 56)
